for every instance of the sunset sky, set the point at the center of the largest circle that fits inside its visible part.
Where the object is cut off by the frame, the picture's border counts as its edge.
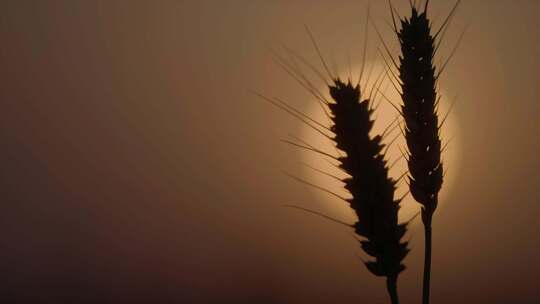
(137, 164)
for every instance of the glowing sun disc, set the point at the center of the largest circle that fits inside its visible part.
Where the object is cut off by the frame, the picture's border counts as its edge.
(384, 115)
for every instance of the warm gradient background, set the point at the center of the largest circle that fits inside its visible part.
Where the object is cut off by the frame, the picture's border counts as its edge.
(135, 165)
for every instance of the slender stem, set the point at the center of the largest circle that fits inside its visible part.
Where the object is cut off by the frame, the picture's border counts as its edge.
(391, 285)
(427, 259)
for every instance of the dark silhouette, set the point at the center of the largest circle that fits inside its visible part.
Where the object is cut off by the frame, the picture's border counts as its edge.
(371, 188)
(418, 78)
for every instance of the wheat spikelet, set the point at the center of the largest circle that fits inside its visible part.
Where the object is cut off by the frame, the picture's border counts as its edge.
(371, 189)
(418, 77)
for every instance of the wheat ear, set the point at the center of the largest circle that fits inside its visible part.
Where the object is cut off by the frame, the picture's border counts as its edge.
(418, 77)
(371, 189)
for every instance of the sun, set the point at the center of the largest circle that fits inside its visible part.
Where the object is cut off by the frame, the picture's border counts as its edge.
(322, 171)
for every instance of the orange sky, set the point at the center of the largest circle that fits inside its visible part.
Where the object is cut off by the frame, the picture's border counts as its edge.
(136, 164)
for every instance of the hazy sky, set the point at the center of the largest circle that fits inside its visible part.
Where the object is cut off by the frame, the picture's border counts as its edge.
(136, 164)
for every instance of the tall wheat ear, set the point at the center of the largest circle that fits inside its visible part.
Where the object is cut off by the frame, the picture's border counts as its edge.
(418, 78)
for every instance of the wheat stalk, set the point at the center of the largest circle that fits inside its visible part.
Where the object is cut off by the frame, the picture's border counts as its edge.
(371, 189)
(418, 78)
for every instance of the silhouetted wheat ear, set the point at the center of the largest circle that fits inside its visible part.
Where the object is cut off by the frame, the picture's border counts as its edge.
(418, 84)
(417, 74)
(371, 189)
